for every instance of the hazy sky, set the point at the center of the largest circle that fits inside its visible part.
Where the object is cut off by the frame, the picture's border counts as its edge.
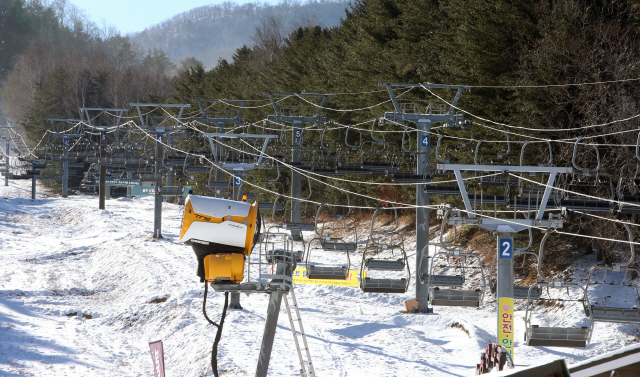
(135, 15)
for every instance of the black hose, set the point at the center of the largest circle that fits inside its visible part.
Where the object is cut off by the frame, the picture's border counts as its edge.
(214, 349)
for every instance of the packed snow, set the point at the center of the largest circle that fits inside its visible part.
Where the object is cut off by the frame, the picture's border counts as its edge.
(83, 291)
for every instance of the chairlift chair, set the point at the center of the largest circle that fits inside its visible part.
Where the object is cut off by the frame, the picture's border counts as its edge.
(274, 249)
(531, 197)
(409, 176)
(602, 313)
(581, 178)
(385, 261)
(219, 186)
(435, 189)
(629, 313)
(276, 205)
(326, 271)
(628, 191)
(450, 296)
(298, 256)
(389, 256)
(551, 336)
(297, 227)
(495, 180)
(585, 203)
(453, 295)
(346, 223)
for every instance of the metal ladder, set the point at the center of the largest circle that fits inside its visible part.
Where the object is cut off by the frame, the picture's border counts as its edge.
(306, 367)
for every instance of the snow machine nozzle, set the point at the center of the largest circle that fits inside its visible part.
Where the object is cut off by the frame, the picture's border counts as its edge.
(222, 234)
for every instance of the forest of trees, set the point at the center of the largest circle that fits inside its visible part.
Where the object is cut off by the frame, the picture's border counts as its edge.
(55, 61)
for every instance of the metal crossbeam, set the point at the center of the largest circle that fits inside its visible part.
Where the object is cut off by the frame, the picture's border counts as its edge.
(552, 171)
(243, 166)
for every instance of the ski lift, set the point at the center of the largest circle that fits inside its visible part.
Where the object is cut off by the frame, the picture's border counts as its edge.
(346, 140)
(524, 145)
(603, 313)
(454, 297)
(273, 206)
(629, 191)
(479, 158)
(450, 296)
(389, 258)
(550, 336)
(325, 271)
(296, 228)
(601, 183)
(219, 187)
(340, 223)
(441, 190)
(287, 250)
(555, 336)
(531, 197)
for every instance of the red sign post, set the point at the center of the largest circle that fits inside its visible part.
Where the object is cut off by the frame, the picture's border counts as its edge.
(157, 355)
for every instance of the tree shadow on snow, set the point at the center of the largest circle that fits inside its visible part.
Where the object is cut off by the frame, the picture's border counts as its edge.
(19, 346)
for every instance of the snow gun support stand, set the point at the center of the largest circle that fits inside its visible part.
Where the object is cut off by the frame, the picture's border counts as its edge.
(223, 234)
(277, 289)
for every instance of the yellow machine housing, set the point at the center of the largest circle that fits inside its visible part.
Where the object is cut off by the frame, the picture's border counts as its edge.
(221, 233)
(224, 267)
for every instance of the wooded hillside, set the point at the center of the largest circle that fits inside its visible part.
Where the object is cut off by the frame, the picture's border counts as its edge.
(211, 32)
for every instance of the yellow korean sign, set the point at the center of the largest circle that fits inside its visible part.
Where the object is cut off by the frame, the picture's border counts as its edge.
(505, 323)
(352, 280)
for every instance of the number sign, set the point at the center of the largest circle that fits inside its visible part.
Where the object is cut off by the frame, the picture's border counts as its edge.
(426, 140)
(237, 180)
(506, 248)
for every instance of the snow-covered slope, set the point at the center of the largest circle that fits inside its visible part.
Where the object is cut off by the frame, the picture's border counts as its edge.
(83, 292)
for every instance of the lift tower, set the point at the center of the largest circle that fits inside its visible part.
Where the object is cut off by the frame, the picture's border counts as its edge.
(298, 122)
(159, 141)
(424, 123)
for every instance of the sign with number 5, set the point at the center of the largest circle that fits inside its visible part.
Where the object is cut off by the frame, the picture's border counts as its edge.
(506, 248)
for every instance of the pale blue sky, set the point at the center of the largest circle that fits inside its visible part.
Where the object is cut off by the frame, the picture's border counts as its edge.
(130, 16)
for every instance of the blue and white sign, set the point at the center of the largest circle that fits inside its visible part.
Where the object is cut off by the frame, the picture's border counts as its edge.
(159, 137)
(104, 136)
(297, 134)
(237, 180)
(426, 140)
(506, 248)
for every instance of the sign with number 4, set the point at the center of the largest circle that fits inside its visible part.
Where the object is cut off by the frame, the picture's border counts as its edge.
(506, 248)
(426, 139)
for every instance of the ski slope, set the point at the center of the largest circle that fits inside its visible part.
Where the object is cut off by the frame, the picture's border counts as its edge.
(83, 291)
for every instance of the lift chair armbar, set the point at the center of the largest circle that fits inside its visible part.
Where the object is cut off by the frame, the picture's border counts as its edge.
(220, 227)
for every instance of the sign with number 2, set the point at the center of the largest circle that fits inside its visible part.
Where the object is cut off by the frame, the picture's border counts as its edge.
(506, 248)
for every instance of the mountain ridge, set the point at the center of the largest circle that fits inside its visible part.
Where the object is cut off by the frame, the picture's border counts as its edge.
(232, 25)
